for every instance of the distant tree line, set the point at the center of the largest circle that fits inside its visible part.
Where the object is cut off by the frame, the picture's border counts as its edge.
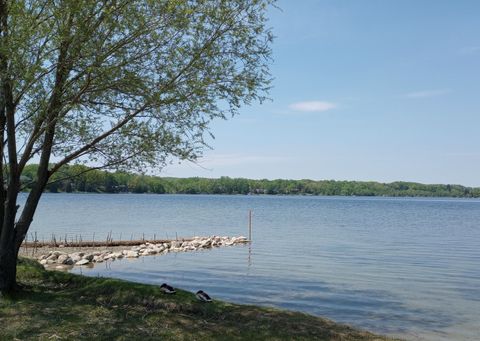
(80, 178)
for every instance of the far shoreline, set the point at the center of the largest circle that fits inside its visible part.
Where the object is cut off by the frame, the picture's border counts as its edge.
(267, 195)
(80, 178)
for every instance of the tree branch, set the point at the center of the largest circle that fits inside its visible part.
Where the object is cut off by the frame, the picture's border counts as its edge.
(54, 108)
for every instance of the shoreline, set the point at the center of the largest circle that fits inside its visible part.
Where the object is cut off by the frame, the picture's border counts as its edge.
(65, 306)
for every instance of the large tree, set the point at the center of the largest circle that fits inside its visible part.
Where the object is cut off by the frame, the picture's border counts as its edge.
(117, 83)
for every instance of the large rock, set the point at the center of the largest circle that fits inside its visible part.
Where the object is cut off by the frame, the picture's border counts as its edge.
(88, 257)
(132, 254)
(82, 262)
(52, 257)
(69, 261)
(75, 257)
(109, 256)
(175, 244)
(196, 243)
(62, 258)
(206, 243)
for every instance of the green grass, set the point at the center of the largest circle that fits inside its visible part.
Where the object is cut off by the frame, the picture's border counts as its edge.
(63, 306)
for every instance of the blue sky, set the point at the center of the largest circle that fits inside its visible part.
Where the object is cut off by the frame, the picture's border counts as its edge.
(363, 90)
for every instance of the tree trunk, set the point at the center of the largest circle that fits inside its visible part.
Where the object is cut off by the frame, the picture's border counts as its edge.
(8, 267)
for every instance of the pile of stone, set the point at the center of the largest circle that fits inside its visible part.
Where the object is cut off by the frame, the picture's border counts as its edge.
(61, 260)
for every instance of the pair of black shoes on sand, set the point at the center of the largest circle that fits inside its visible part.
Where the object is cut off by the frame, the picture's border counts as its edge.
(201, 295)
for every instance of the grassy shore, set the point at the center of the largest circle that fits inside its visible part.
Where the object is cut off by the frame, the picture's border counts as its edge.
(64, 306)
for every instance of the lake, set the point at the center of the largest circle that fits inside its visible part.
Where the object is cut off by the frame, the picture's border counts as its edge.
(398, 266)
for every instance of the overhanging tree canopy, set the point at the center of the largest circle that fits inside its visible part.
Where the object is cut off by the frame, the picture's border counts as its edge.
(127, 83)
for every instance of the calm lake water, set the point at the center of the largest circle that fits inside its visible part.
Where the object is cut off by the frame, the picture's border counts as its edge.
(402, 267)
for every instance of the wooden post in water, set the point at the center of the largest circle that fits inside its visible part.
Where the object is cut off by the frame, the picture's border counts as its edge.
(250, 225)
(35, 245)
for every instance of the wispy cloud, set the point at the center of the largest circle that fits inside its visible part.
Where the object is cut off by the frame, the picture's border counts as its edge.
(312, 106)
(428, 93)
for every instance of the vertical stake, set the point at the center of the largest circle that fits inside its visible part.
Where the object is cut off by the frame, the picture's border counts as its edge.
(250, 225)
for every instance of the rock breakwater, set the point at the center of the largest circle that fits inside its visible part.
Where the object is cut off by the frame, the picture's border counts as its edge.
(63, 260)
